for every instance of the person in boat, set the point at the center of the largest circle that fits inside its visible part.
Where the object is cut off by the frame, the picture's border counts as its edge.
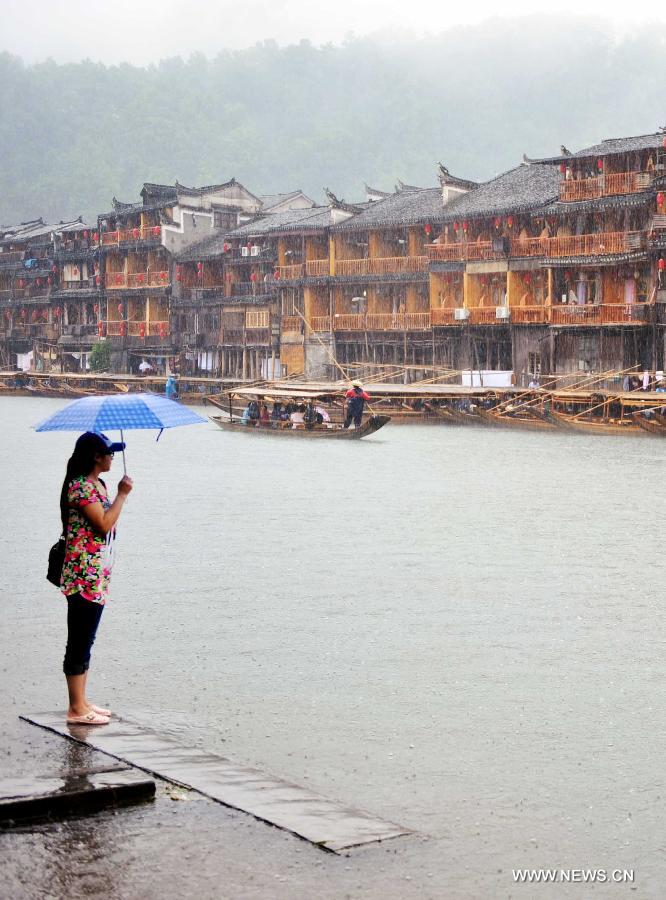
(171, 388)
(245, 418)
(89, 519)
(253, 412)
(355, 399)
(276, 412)
(323, 417)
(298, 417)
(312, 418)
(264, 417)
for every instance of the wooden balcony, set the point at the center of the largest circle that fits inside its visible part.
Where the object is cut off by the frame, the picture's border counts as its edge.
(469, 251)
(128, 281)
(529, 315)
(388, 265)
(596, 244)
(320, 323)
(10, 258)
(289, 273)
(444, 315)
(485, 315)
(534, 246)
(382, 322)
(291, 323)
(348, 322)
(147, 233)
(317, 268)
(605, 186)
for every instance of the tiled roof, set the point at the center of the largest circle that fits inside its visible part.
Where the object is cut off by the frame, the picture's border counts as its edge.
(404, 208)
(270, 200)
(614, 145)
(561, 207)
(313, 218)
(521, 189)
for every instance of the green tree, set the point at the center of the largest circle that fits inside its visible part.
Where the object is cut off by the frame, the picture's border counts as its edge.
(100, 357)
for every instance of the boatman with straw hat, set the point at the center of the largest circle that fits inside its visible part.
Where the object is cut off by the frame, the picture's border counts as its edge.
(356, 399)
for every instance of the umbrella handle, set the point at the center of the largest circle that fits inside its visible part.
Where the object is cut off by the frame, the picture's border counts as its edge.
(123, 452)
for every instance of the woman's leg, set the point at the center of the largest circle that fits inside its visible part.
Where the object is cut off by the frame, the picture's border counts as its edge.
(82, 621)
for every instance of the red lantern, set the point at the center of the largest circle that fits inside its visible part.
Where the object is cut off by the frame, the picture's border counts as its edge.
(528, 278)
(58, 311)
(157, 231)
(142, 329)
(141, 278)
(179, 273)
(85, 235)
(23, 314)
(49, 280)
(563, 168)
(662, 264)
(123, 329)
(135, 234)
(96, 236)
(39, 282)
(455, 226)
(253, 276)
(498, 222)
(226, 248)
(600, 165)
(120, 309)
(100, 329)
(428, 228)
(509, 221)
(465, 226)
(249, 245)
(21, 282)
(34, 315)
(98, 280)
(54, 269)
(660, 198)
(163, 330)
(276, 275)
(663, 143)
(96, 309)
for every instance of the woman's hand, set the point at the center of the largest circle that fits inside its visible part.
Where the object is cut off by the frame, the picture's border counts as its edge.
(125, 485)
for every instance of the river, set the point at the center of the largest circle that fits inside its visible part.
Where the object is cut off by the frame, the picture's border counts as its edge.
(460, 630)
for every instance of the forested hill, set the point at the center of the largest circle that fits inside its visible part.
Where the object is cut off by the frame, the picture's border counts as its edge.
(72, 136)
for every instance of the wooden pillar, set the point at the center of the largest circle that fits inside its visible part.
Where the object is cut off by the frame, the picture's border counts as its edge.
(244, 365)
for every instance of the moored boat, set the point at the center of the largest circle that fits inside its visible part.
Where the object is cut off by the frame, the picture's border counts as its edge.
(370, 426)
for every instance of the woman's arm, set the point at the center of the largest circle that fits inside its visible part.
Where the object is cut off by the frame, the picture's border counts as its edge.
(104, 520)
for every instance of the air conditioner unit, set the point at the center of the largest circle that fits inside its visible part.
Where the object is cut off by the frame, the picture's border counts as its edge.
(245, 251)
(254, 251)
(460, 314)
(502, 312)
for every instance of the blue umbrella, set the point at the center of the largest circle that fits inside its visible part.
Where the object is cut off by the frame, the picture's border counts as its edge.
(120, 411)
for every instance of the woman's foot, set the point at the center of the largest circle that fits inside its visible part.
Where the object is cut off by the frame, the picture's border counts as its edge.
(89, 718)
(100, 710)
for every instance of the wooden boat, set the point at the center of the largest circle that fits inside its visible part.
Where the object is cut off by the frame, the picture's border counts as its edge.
(652, 425)
(516, 420)
(591, 426)
(335, 432)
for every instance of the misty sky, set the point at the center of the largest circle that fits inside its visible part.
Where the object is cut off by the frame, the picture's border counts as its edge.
(144, 31)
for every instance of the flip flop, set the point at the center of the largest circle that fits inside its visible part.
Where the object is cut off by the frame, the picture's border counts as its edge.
(91, 718)
(100, 710)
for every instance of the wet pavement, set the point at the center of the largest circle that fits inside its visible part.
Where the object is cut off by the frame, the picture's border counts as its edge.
(458, 631)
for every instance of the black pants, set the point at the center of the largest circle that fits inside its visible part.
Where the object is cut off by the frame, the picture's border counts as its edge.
(82, 620)
(356, 418)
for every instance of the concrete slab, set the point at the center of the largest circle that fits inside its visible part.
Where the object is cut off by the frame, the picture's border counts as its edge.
(78, 792)
(288, 806)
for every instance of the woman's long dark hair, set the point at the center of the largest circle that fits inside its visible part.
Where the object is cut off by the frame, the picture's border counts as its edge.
(80, 465)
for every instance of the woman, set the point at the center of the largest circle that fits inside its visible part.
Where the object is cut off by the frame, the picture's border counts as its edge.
(88, 520)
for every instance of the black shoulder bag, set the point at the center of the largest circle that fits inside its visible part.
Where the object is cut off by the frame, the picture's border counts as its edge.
(56, 561)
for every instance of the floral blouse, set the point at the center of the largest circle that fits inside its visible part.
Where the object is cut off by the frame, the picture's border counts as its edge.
(88, 554)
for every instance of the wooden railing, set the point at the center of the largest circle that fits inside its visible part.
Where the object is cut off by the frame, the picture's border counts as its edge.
(348, 322)
(115, 329)
(471, 250)
(159, 327)
(382, 322)
(10, 258)
(147, 233)
(605, 186)
(444, 315)
(387, 265)
(115, 280)
(485, 315)
(596, 244)
(317, 268)
(320, 323)
(257, 318)
(529, 315)
(287, 273)
(533, 246)
(291, 323)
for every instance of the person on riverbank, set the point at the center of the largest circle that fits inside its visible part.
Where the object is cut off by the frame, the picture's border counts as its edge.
(88, 519)
(355, 399)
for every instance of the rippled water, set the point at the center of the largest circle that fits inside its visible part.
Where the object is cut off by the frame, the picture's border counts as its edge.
(460, 630)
